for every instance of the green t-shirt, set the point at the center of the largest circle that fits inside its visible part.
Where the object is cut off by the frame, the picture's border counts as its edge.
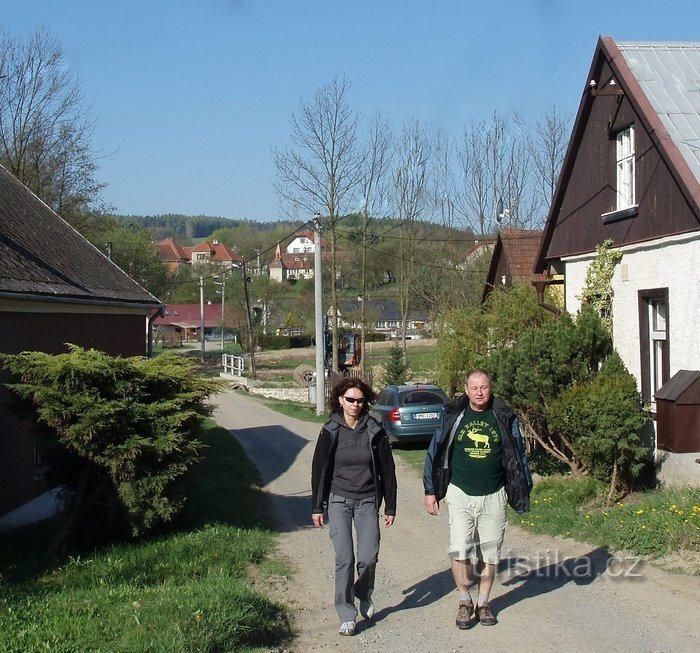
(477, 465)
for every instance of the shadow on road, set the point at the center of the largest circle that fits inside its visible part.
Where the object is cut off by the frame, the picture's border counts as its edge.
(273, 450)
(547, 573)
(423, 593)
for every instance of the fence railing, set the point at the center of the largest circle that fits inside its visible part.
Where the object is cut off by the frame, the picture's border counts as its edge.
(233, 365)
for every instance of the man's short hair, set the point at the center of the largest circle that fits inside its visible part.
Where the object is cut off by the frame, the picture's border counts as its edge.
(477, 370)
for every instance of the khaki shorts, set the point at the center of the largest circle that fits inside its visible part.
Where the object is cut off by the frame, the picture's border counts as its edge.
(477, 525)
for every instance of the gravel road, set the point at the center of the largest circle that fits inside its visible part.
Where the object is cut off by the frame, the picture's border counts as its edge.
(550, 594)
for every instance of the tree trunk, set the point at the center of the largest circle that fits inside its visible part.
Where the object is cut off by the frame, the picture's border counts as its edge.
(65, 535)
(571, 460)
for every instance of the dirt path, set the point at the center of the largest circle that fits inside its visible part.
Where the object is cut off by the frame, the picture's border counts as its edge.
(550, 594)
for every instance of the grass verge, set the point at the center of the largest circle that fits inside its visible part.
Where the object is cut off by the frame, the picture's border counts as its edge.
(188, 590)
(304, 412)
(655, 523)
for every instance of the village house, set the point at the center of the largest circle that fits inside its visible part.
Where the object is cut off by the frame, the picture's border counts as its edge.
(290, 266)
(55, 288)
(179, 323)
(631, 175)
(208, 252)
(512, 259)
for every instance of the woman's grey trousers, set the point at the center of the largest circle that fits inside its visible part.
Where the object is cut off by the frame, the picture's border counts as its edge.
(341, 514)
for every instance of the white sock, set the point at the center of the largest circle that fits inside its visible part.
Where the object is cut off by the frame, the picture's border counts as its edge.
(483, 599)
(465, 597)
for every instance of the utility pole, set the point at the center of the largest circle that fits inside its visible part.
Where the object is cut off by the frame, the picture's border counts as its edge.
(222, 283)
(201, 314)
(318, 315)
(251, 339)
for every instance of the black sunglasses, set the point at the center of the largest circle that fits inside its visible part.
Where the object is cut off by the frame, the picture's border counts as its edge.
(354, 400)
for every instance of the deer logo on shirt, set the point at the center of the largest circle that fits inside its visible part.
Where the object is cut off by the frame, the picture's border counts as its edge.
(477, 438)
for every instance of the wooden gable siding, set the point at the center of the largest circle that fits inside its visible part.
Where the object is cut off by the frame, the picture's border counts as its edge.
(590, 187)
(115, 334)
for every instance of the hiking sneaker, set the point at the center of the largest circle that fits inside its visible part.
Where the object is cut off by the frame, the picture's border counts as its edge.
(465, 615)
(347, 628)
(367, 609)
(486, 616)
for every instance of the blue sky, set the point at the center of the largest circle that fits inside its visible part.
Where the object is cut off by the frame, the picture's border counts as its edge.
(190, 96)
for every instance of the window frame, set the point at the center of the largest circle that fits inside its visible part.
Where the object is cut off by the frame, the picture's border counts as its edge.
(625, 169)
(654, 343)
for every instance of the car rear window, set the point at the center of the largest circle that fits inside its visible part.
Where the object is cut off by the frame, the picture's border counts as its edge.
(422, 397)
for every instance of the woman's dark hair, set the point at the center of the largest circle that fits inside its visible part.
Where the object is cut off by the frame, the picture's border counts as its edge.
(341, 387)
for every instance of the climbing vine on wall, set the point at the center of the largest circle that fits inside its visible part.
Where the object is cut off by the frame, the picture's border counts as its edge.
(597, 288)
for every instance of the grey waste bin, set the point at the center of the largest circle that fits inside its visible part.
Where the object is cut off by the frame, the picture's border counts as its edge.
(312, 393)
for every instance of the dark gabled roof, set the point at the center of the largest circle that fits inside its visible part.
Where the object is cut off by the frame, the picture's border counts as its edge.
(661, 80)
(677, 386)
(43, 258)
(517, 248)
(298, 261)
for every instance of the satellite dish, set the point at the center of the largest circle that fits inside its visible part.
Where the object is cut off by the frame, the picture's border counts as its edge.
(499, 211)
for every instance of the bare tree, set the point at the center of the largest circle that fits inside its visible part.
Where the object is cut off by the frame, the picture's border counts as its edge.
(548, 145)
(443, 190)
(45, 129)
(410, 180)
(321, 173)
(377, 159)
(497, 184)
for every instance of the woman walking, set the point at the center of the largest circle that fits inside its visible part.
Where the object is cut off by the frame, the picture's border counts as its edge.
(352, 473)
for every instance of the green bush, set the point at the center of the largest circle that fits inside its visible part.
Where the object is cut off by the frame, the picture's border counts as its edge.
(395, 371)
(535, 370)
(202, 587)
(471, 335)
(603, 422)
(123, 432)
(285, 342)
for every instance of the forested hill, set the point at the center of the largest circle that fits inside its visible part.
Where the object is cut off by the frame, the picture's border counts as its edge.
(195, 227)
(188, 227)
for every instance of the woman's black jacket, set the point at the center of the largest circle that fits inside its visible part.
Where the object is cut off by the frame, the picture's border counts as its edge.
(437, 470)
(382, 466)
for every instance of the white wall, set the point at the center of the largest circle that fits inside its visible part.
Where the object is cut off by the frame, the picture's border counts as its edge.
(672, 263)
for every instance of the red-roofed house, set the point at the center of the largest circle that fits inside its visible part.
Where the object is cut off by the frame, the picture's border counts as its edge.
(296, 265)
(171, 253)
(183, 322)
(174, 255)
(213, 252)
(513, 259)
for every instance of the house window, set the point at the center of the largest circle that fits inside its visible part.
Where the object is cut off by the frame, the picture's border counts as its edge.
(625, 168)
(654, 340)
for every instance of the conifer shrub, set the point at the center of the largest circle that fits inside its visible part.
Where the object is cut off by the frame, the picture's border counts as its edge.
(118, 434)
(604, 423)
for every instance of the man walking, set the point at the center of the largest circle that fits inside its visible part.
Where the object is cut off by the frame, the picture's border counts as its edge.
(476, 461)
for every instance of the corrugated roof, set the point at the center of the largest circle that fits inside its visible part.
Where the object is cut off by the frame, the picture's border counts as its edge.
(42, 256)
(669, 74)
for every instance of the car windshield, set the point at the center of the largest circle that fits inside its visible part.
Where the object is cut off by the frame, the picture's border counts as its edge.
(421, 397)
